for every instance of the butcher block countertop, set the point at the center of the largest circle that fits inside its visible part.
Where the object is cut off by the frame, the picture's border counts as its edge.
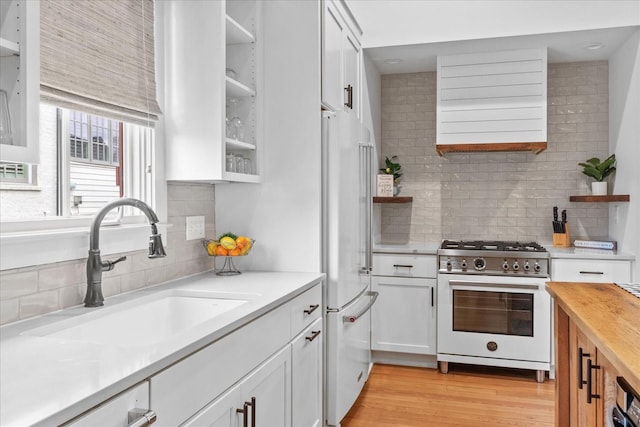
(609, 317)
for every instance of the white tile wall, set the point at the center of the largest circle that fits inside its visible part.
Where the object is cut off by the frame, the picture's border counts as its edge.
(32, 291)
(506, 196)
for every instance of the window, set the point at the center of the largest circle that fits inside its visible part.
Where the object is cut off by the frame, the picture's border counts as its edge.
(95, 138)
(103, 133)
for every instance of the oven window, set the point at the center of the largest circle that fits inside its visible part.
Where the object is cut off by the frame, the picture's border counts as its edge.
(504, 313)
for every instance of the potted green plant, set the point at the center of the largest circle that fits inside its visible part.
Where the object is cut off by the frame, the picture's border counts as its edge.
(393, 168)
(599, 171)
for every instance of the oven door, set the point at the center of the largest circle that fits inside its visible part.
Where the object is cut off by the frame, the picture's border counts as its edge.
(494, 317)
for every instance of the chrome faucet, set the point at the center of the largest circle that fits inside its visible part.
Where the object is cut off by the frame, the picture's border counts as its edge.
(95, 265)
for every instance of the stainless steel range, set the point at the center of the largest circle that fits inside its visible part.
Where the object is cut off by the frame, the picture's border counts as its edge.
(493, 308)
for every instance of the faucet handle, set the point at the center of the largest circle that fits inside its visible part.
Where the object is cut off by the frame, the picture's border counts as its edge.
(108, 265)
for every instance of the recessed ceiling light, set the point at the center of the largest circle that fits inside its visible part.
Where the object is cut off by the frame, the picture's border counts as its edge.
(392, 61)
(594, 46)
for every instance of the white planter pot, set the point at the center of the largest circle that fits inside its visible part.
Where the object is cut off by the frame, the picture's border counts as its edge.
(599, 188)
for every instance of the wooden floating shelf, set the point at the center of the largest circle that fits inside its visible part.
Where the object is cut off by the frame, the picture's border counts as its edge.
(599, 199)
(397, 199)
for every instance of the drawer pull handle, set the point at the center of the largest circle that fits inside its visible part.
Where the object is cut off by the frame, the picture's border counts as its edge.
(581, 355)
(140, 417)
(591, 272)
(402, 266)
(314, 335)
(311, 308)
(590, 367)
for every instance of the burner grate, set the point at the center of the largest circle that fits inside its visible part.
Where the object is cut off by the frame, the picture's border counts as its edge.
(497, 245)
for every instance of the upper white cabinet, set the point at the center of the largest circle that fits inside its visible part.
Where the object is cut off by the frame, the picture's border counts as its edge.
(212, 65)
(20, 101)
(341, 58)
(494, 101)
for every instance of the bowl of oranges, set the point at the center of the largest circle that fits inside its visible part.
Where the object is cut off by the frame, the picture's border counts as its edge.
(228, 245)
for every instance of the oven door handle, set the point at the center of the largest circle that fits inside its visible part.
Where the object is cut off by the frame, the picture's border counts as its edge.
(491, 285)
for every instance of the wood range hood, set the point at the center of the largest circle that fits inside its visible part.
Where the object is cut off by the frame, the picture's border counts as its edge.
(534, 147)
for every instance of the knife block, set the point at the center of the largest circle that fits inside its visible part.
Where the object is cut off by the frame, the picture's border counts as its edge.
(561, 240)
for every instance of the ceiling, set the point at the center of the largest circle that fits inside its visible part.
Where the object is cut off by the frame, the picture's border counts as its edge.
(561, 47)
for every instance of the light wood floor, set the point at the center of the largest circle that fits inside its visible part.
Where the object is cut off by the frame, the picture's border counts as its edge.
(466, 396)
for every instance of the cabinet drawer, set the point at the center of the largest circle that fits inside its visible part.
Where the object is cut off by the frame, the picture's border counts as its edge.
(590, 270)
(404, 265)
(114, 412)
(186, 387)
(305, 309)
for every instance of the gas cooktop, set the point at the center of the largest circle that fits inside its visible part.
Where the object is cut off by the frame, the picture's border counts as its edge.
(491, 257)
(492, 245)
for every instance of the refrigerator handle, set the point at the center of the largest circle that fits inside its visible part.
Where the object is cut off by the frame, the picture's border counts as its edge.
(354, 317)
(365, 177)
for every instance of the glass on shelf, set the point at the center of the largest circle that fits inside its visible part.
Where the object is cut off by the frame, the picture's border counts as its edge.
(6, 134)
(231, 163)
(247, 165)
(240, 164)
(236, 126)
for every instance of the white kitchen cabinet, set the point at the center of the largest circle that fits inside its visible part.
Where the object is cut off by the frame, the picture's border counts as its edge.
(186, 390)
(306, 378)
(20, 79)
(212, 56)
(119, 411)
(591, 270)
(404, 317)
(263, 398)
(341, 58)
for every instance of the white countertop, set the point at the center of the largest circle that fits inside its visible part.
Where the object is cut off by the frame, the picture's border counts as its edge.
(431, 248)
(46, 380)
(428, 248)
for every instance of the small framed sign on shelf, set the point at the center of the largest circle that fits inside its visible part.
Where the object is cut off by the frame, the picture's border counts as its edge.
(384, 186)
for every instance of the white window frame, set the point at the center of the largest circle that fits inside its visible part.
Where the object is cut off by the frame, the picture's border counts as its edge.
(32, 242)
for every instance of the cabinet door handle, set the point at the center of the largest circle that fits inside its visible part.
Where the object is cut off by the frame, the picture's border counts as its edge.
(432, 301)
(591, 272)
(403, 266)
(590, 368)
(141, 417)
(311, 308)
(349, 90)
(581, 355)
(314, 335)
(245, 413)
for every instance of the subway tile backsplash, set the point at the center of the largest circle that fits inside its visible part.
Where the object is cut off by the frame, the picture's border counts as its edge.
(507, 196)
(28, 292)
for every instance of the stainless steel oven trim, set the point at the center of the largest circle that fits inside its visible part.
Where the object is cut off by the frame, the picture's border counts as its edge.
(493, 285)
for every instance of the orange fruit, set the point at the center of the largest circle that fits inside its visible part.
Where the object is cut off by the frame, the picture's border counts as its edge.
(220, 251)
(241, 241)
(234, 252)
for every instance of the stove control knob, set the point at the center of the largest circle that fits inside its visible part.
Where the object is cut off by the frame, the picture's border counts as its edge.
(536, 267)
(516, 266)
(449, 265)
(479, 264)
(463, 264)
(526, 266)
(505, 265)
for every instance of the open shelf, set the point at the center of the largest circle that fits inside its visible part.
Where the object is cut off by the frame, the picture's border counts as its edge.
(600, 199)
(397, 199)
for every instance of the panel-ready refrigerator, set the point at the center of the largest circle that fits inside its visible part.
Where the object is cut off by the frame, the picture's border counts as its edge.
(347, 170)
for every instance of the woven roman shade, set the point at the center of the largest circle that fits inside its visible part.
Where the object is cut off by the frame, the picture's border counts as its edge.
(97, 56)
